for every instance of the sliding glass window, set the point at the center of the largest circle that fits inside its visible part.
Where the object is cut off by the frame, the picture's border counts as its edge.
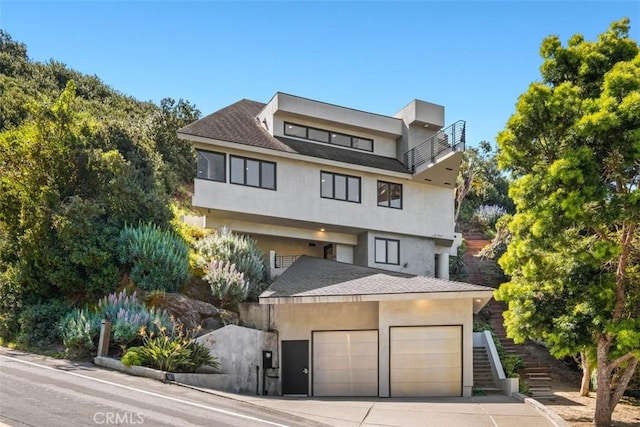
(340, 187)
(253, 173)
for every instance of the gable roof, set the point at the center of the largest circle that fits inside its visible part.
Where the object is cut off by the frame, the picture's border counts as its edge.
(237, 123)
(319, 280)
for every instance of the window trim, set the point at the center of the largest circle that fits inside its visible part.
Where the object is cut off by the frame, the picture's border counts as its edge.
(333, 187)
(244, 170)
(330, 133)
(389, 184)
(224, 165)
(386, 250)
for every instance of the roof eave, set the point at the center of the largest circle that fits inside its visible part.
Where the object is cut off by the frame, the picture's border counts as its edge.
(480, 297)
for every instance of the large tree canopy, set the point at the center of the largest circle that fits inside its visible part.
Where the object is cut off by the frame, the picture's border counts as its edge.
(78, 161)
(573, 148)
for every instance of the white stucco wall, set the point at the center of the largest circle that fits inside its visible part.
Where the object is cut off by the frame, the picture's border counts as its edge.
(283, 103)
(427, 210)
(427, 313)
(417, 254)
(296, 321)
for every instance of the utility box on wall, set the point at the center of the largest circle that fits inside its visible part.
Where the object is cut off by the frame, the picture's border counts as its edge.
(267, 359)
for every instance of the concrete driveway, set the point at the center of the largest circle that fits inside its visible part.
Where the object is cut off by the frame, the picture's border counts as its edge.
(479, 411)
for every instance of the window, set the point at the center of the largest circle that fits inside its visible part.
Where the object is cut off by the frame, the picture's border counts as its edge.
(211, 166)
(295, 130)
(253, 173)
(390, 195)
(340, 187)
(387, 251)
(322, 135)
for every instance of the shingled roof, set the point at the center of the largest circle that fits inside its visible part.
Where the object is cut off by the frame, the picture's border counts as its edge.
(237, 123)
(312, 277)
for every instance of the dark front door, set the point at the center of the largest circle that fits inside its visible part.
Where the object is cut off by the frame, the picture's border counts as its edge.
(328, 252)
(295, 367)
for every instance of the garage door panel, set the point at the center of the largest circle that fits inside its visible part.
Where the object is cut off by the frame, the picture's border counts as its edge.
(353, 348)
(341, 362)
(424, 333)
(428, 389)
(345, 363)
(349, 375)
(426, 361)
(345, 389)
(427, 346)
(432, 375)
(349, 336)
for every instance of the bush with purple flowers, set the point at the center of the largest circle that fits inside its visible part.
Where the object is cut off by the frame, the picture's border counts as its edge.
(127, 314)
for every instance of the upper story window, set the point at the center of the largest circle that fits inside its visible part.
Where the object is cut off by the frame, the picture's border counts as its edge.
(253, 172)
(328, 137)
(211, 166)
(390, 195)
(387, 251)
(340, 187)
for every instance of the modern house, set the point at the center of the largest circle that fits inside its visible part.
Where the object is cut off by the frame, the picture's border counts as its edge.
(355, 212)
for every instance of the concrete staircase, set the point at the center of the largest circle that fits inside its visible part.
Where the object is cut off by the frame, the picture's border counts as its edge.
(482, 376)
(535, 375)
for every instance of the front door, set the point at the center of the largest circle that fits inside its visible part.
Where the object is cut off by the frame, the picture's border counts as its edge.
(328, 252)
(295, 367)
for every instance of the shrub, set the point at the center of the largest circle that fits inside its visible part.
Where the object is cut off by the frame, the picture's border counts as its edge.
(127, 314)
(132, 357)
(486, 216)
(175, 352)
(38, 324)
(157, 259)
(79, 330)
(11, 302)
(227, 284)
(235, 249)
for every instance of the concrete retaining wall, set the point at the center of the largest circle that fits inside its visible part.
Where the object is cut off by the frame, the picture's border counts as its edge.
(212, 381)
(239, 353)
(255, 315)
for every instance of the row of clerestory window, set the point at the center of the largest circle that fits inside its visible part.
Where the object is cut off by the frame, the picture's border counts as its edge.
(328, 137)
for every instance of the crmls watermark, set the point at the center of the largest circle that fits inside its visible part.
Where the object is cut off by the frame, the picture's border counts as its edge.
(118, 418)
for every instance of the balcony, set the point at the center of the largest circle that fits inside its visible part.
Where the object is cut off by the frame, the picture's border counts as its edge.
(437, 159)
(279, 263)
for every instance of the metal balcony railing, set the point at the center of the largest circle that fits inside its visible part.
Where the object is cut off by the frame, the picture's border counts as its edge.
(285, 261)
(445, 141)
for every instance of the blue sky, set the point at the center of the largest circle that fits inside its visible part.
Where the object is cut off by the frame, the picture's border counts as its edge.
(475, 58)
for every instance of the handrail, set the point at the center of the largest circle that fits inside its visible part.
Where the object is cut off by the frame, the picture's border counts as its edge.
(285, 261)
(447, 140)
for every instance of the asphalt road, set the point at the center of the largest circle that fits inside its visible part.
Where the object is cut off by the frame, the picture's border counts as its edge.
(39, 391)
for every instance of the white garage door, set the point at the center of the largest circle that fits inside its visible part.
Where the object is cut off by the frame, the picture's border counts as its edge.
(426, 361)
(345, 363)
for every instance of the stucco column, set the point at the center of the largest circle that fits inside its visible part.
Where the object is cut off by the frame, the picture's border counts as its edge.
(443, 265)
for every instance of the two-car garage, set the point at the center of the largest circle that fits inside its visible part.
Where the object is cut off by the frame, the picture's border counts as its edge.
(423, 361)
(348, 330)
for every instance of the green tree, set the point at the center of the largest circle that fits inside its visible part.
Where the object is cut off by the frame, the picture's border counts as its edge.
(479, 182)
(573, 148)
(69, 185)
(179, 155)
